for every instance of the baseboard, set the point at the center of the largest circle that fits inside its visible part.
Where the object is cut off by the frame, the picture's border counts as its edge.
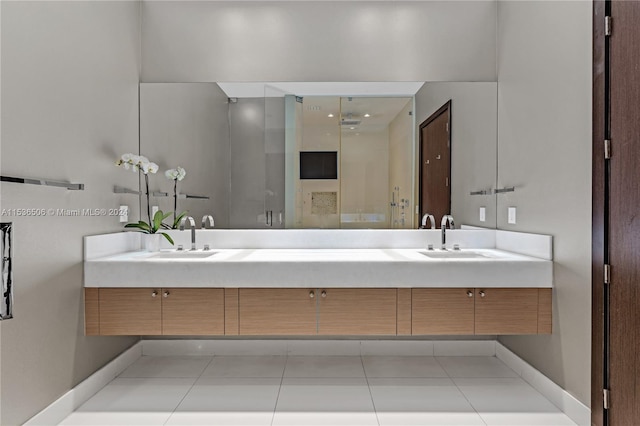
(567, 403)
(67, 403)
(299, 347)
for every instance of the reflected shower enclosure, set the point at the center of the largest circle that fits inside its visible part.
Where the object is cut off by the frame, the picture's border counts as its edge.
(372, 139)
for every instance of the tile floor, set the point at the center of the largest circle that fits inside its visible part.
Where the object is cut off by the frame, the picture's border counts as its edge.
(318, 390)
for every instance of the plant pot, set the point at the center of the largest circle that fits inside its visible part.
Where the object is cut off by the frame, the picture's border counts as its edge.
(151, 242)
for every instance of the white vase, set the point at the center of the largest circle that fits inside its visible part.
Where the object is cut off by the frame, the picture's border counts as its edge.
(151, 242)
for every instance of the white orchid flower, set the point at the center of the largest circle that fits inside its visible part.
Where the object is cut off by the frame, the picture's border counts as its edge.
(137, 162)
(181, 173)
(176, 174)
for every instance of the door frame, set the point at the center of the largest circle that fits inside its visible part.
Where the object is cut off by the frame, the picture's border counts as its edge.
(444, 108)
(599, 216)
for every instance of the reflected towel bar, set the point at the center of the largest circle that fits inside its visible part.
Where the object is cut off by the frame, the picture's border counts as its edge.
(503, 190)
(122, 190)
(44, 182)
(482, 192)
(181, 196)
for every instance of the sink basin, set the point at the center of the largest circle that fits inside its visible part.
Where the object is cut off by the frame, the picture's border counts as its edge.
(453, 254)
(183, 254)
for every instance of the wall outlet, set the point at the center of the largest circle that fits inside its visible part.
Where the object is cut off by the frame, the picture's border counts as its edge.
(154, 209)
(124, 214)
(483, 214)
(511, 215)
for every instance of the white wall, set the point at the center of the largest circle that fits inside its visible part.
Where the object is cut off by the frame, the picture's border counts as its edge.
(70, 75)
(544, 140)
(319, 41)
(473, 144)
(186, 125)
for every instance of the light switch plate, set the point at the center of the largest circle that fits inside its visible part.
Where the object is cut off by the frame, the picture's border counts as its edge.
(483, 214)
(124, 214)
(154, 209)
(511, 215)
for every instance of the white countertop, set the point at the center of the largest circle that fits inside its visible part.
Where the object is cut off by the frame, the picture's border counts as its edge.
(319, 268)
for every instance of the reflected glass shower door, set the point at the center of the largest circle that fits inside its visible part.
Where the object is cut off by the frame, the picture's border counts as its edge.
(274, 148)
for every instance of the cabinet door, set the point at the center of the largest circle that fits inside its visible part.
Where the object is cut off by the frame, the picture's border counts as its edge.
(507, 311)
(357, 311)
(192, 311)
(130, 311)
(277, 311)
(442, 311)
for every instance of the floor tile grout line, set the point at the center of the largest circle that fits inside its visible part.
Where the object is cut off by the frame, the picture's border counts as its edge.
(366, 378)
(273, 416)
(460, 390)
(187, 393)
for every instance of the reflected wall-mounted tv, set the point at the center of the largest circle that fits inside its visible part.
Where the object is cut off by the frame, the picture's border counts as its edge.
(318, 165)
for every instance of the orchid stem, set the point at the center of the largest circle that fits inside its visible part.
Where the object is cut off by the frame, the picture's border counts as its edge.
(175, 199)
(146, 181)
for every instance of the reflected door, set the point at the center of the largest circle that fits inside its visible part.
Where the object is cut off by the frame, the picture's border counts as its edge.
(435, 164)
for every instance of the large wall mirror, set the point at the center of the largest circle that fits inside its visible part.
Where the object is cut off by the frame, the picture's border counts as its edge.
(317, 155)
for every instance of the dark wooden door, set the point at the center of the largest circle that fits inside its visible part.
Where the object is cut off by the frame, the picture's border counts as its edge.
(624, 214)
(435, 164)
(616, 214)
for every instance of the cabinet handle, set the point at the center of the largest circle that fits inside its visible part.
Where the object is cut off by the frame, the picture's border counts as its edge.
(166, 294)
(482, 294)
(323, 294)
(154, 293)
(312, 294)
(469, 293)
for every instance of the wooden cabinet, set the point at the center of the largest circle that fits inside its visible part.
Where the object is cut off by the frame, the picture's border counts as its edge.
(357, 311)
(154, 311)
(308, 312)
(513, 311)
(453, 311)
(506, 311)
(277, 311)
(192, 311)
(290, 311)
(130, 311)
(442, 311)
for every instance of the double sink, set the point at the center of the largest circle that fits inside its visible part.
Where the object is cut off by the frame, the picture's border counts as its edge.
(319, 267)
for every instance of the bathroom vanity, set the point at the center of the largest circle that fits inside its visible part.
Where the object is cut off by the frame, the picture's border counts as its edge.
(320, 283)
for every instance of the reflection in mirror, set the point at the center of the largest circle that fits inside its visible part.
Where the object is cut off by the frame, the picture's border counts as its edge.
(353, 157)
(244, 153)
(473, 135)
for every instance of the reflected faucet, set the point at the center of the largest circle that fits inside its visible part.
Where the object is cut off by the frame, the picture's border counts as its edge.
(447, 219)
(208, 222)
(429, 217)
(192, 225)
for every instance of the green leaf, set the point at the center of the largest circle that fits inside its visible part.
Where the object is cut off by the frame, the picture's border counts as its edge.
(179, 217)
(158, 218)
(168, 237)
(142, 227)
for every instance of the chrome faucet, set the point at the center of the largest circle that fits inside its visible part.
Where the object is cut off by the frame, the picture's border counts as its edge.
(429, 217)
(192, 225)
(447, 219)
(208, 222)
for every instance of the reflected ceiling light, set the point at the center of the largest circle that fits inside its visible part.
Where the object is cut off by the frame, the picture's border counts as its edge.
(330, 115)
(367, 115)
(352, 128)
